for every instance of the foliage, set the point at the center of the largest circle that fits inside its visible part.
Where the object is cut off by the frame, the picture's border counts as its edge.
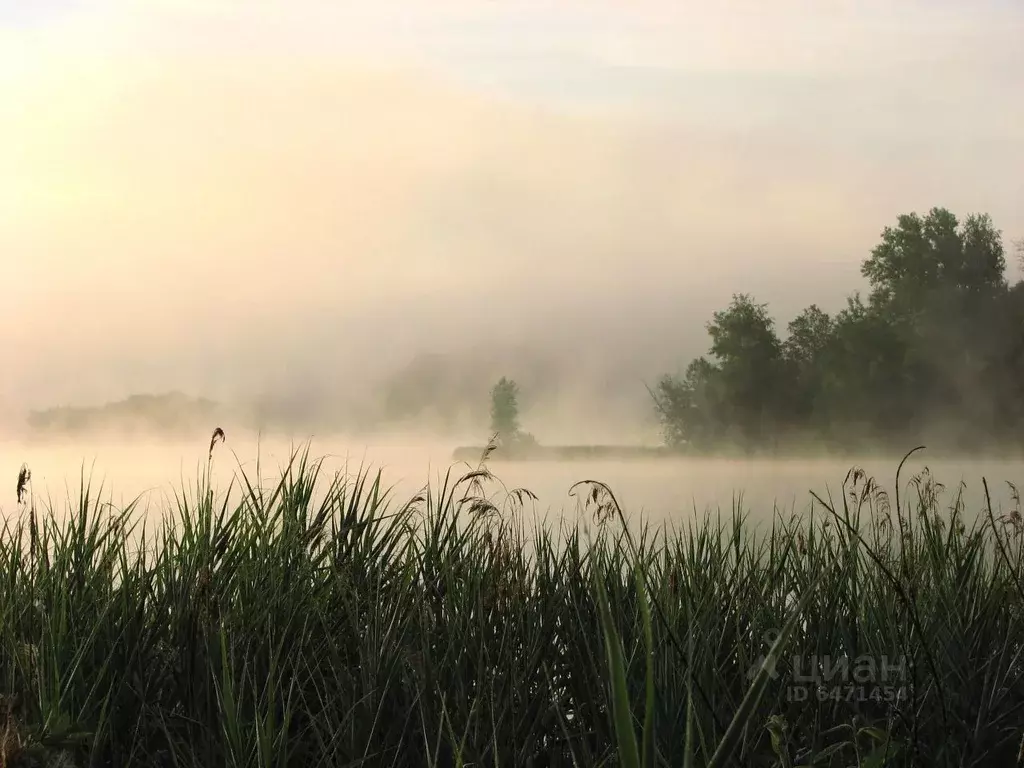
(317, 622)
(172, 413)
(935, 351)
(505, 410)
(749, 356)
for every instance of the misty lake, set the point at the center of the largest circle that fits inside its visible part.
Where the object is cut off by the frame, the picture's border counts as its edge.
(661, 490)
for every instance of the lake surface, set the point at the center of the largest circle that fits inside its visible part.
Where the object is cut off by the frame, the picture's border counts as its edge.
(668, 490)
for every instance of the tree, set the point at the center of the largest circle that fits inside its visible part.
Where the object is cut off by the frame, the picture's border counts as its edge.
(865, 373)
(505, 410)
(749, 354)
(809, 334)
(736, 396)
(936, 353)
(688, 407)
(803, 351)
(922, 257)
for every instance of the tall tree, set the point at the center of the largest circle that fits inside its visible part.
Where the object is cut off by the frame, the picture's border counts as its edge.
(922, 256)
(865, 387)
(689, 407)
(810, 334)
(935, 352)
(749, 354)
(937, 280)
(505, 410)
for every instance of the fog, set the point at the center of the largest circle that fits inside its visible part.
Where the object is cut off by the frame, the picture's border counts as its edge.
(290, 203)
(668, 492)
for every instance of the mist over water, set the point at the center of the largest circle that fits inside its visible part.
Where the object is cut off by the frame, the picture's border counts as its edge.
(239, 221)
(670, 491)
(188, 204)
(358, 239)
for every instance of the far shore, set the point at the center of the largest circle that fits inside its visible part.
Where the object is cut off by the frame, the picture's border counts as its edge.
(473, 454)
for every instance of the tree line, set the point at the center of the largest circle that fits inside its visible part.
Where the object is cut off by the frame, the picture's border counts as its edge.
(933, 353)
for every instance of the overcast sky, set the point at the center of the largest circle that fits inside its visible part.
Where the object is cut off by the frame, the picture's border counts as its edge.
(233, 196)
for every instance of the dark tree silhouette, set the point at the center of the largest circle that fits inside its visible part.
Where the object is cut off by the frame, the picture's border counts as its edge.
(936, 351)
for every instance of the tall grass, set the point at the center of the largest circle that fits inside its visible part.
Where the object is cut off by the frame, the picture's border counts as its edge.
(319, 621)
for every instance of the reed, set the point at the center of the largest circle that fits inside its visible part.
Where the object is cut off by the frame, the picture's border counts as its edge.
(320, 621)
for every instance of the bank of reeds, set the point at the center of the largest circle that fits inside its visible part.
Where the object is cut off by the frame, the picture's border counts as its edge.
(321, 623)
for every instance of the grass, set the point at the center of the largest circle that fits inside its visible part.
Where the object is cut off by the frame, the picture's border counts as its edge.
(320, 622)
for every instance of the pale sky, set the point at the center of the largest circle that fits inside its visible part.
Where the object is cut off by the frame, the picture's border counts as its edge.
(231, 196)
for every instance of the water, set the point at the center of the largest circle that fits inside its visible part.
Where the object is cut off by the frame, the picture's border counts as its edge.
(660, 490)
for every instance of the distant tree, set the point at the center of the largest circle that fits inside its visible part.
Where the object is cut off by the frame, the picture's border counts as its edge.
(748, 353)
(803, 351)
(734, 396)
(505, 410)
(935, 254)
(937, 348)
(939, 337)
(809, 334)
(939, 281)
(688, 407)
(865, 373)
(1005, 363)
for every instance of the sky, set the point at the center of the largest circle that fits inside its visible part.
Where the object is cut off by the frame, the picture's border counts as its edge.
(236, 197)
